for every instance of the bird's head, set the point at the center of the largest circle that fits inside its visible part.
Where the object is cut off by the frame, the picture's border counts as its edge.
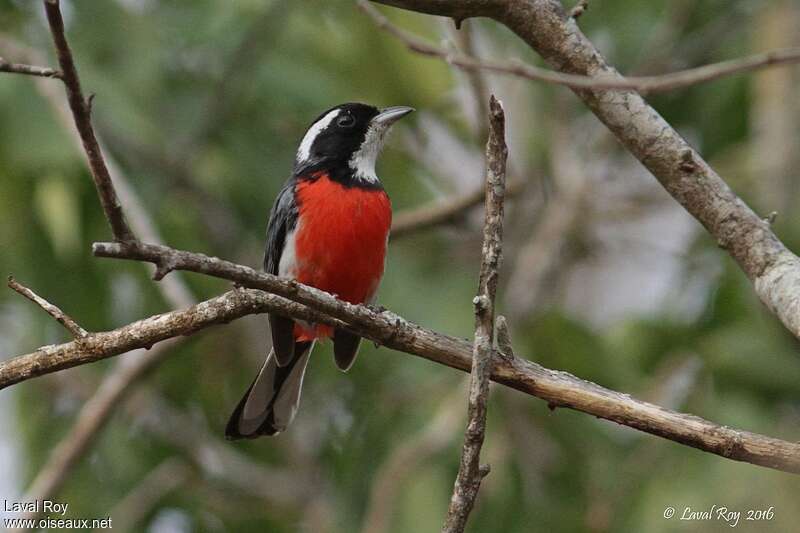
(347, 139)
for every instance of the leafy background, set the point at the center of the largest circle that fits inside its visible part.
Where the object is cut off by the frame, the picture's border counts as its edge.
(202, 104)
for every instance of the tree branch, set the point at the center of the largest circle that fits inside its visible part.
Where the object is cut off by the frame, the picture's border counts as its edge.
(29, 70)
(81, 111)
(681, 171)
(470, 471)
(388, 329)
(773, 269)
(118, 382)
(603, 81)
(62, 318)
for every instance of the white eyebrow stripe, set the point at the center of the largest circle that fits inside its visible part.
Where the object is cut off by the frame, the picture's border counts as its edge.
(304, 152)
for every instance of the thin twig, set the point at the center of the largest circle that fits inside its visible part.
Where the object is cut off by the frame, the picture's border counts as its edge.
(117, 384)
(642, 84)
(81, 111)
(62, 318)
(29, 70)
(470, 471)
(436, 213)
(390, 330)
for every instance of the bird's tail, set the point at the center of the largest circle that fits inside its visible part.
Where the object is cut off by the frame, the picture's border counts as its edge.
(269, 405)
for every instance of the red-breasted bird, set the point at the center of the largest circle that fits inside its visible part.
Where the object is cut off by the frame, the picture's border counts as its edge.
(328, 228)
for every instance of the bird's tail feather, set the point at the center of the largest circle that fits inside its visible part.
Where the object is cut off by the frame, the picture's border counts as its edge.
(269, 405)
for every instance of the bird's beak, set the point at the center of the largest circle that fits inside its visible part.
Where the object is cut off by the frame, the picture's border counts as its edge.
(390, 115)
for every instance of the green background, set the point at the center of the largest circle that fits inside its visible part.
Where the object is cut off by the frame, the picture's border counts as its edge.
(202, 105)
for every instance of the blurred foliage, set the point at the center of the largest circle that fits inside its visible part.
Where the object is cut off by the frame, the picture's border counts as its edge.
(202, 104)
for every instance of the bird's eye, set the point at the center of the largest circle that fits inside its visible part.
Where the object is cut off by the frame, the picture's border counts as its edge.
(346, 121)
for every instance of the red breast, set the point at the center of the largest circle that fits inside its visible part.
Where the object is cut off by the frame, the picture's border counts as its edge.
(340, 242)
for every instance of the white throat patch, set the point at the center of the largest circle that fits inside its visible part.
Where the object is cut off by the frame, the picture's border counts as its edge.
(304, 152)
(364, 159)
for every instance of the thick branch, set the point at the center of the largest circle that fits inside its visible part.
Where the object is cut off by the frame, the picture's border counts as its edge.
(601, 81)
(81, 111)
(386, 328)
(60, 316)
(29, 70)
(773, 269)
(470, 472)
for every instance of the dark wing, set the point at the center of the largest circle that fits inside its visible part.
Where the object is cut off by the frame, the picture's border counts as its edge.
(282, 220)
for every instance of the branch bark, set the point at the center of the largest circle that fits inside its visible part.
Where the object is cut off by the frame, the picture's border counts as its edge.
(599, 81)
(470, 471)
(543, 24)
(559, 389)
(119, 381)
(81, 110)
(60, 316)
(29, 70)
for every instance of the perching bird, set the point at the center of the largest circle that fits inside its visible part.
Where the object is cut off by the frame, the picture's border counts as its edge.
(328, 228)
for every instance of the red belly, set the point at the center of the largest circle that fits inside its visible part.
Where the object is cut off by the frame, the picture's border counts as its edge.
(340, 244)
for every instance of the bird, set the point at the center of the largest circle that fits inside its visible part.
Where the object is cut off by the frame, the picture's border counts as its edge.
(328, 228)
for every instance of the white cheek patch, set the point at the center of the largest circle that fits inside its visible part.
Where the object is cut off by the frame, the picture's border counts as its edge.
(363, 160)
(304, 152)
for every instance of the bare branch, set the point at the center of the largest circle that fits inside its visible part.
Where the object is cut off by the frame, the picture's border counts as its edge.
(412, 220)
(773, 269)
(62, 318)
(29, 70)
(98, 410)
(470, 471)
(81, 111)
(390, 330)
(602, 81)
